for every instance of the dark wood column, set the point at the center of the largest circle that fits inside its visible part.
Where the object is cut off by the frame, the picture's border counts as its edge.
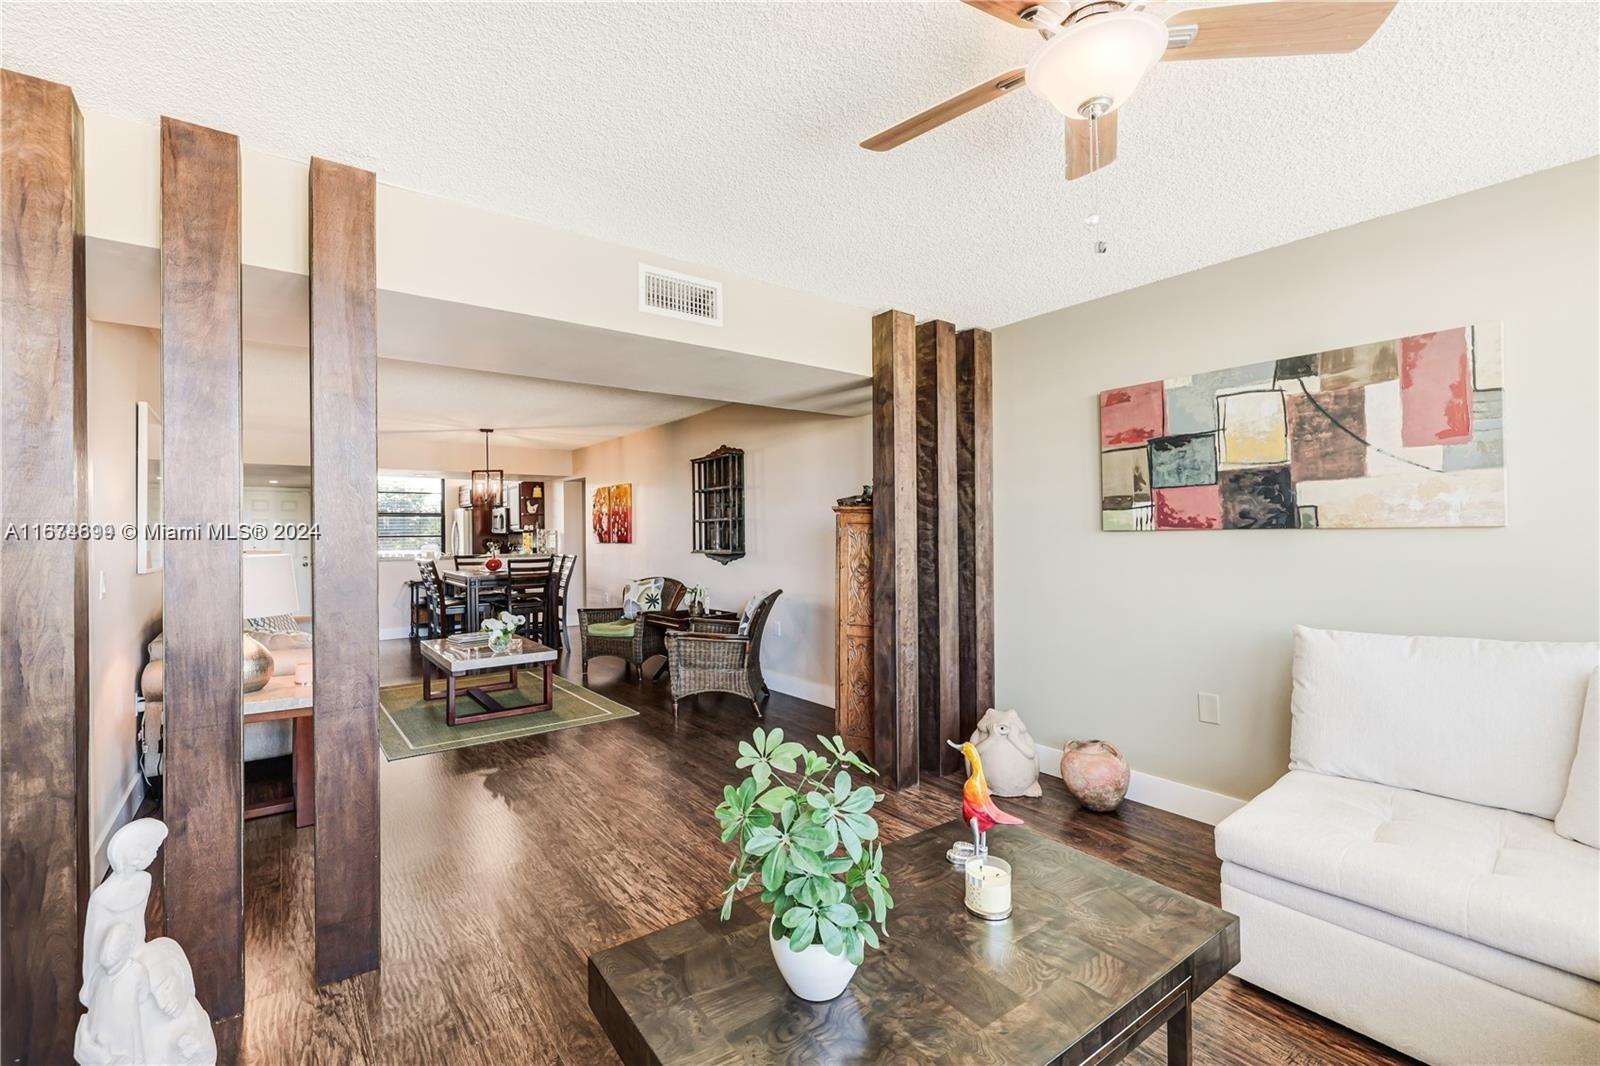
(44, 604)
(894, 547)
(974, 531)
(938, 632)
(200, 395)
(344, 565)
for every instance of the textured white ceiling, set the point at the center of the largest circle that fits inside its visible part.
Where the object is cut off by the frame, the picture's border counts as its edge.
(726, 133)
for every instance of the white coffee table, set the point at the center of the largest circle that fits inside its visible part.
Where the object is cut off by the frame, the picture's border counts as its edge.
(456, 661)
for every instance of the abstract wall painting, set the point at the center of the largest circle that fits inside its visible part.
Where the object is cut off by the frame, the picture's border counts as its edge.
(1404, 432)
(611, 514)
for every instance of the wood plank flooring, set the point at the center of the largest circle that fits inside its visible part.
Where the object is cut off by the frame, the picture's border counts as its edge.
(506, 865)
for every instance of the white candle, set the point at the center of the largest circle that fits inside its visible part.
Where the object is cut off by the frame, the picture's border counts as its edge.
(302, 673)
(989, 887)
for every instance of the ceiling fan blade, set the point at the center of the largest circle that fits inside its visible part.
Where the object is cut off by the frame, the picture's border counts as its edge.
(1084, 156)
(1006, 10)
(1283, 28)
(939, 114)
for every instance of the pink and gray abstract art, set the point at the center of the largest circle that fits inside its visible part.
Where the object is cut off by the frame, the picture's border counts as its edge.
(1403, 432)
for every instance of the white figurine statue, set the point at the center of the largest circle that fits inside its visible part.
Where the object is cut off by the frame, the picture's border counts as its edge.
(142, 1010)
(1010, 760)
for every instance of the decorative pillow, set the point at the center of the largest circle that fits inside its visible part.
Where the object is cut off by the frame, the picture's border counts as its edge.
(1579, 816)
(641, 595)
(748, 615)
(284, 641)
(276, 623)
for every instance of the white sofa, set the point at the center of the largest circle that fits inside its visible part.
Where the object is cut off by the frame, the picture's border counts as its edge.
(1426, 873)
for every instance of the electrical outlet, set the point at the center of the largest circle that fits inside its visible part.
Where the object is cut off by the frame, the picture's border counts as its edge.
(1210, 708)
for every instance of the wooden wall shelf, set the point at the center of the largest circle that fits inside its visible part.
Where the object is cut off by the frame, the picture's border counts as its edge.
(719, 504)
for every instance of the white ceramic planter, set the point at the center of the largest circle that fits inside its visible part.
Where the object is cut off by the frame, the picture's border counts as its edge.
(813, 973)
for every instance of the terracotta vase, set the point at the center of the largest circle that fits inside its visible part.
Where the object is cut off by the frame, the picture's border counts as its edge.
(1095, 773)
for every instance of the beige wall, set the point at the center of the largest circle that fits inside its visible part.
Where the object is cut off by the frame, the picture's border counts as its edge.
(1112, 635)
(430, 246)
(796, 465)
(124, 367)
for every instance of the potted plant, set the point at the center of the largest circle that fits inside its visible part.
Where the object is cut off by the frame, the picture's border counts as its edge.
(697, 600)
(502, 629)
(806, 835)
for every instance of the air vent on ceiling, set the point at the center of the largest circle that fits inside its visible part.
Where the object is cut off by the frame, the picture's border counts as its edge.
(666, 292)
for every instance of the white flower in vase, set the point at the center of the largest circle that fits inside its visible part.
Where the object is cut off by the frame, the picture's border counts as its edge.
(502, 629)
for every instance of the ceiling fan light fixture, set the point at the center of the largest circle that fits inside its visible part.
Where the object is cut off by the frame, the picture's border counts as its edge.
(1101, 58)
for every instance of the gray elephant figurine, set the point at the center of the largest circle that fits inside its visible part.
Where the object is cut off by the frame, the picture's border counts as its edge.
(1010, 761)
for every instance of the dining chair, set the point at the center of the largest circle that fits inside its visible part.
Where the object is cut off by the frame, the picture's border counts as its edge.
(569, 563)
(442, 609)
(527, 588)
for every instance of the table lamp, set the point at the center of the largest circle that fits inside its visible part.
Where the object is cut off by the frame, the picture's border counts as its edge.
(267, 589)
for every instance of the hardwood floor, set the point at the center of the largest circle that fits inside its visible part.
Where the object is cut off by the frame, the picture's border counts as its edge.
(506, 865)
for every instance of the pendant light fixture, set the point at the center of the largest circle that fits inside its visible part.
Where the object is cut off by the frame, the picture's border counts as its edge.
(487, 484)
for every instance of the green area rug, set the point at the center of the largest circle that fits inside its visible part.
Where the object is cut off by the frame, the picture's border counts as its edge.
(410, 725)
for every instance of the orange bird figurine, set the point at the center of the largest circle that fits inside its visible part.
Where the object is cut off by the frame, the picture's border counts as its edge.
(977, 807)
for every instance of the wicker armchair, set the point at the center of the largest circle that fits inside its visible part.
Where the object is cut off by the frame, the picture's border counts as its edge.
(713, 657)
(643, 643)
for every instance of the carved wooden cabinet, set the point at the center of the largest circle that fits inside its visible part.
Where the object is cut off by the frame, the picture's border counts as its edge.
(853, 695)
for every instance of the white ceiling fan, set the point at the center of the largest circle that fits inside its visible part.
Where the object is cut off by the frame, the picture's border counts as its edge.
(1096, 52)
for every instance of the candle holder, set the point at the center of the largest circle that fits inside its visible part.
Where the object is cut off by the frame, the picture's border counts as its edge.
(988, 883)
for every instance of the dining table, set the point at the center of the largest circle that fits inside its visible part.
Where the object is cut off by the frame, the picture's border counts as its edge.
(474, 581)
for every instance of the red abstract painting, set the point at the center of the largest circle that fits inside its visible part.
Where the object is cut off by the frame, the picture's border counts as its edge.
(1132, 415)
(1435, 389)
(1190, 507)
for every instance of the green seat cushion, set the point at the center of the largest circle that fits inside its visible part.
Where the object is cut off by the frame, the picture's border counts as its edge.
(620, 629)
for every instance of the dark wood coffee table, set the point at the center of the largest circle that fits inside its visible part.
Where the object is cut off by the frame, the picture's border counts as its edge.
(1092, 961)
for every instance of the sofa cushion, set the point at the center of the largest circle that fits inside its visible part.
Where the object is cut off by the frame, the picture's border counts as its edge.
(1485, 721)
(1504, 879)
(1533, 979)
(1579, 816)
(615, 630)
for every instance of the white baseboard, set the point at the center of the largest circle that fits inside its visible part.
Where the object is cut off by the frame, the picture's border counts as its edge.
(1175, 796)
(132, 796)
(815, 691)
(394, 633)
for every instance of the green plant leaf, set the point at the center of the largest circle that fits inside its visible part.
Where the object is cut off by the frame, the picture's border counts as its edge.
(817, 801)
(869, 934)
(832, 939)
(795, 915)
(786, 756)
(746, 793)
(774, 738)
(842, 915)
(838, 865)
(800, 939)
(761, 841)
(814, 838)
(864, 825)
(853, 950)
(841, 787)
(760, 773)
(805, 860)
(759, 739)
(860, 801)
(774, 798)
(775, 866)
(790, 809)
(851, 842)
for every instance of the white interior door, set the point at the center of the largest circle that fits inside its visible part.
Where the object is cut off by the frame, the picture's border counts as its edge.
(272, 506)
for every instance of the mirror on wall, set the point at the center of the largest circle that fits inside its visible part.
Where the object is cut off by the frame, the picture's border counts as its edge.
(147, 473)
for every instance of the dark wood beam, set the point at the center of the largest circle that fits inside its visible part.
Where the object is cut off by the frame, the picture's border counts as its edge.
(974, 523)
(44, 602)
(200, 395)
(344, 565)
(938, 633)
(894, 547)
